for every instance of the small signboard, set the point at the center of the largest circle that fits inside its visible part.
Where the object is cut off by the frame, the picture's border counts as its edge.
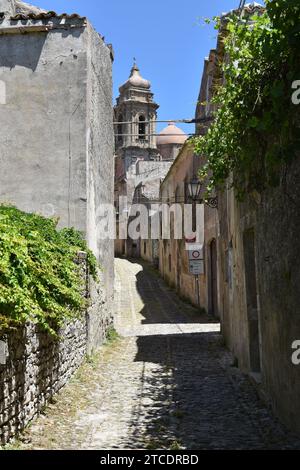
(193, 246)
(196, 267)
(195, 255)
(195, 250)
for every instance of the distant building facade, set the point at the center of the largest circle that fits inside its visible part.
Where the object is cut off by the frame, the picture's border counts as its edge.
(173, 255)
(174, 266)
(142, 159)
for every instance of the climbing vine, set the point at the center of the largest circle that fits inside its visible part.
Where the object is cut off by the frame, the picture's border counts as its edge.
(255, 131)
(40, 281)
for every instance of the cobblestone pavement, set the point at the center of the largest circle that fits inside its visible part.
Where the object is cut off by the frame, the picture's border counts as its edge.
(166, 383)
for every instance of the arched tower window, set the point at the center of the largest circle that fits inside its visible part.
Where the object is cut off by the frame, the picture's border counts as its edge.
(120, 128)
(142, 128)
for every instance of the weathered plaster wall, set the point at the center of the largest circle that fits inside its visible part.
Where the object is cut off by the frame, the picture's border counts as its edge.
(100, 176)
(42, 129)
(274, 216)
(173, 256)
(232, 292)
(169, 151)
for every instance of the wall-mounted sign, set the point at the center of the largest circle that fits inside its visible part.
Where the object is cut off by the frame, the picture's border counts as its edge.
(196, 254)
(193, 247)
(196, 266)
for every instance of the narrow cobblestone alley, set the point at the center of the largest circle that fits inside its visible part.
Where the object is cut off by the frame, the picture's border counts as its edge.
(167, 383)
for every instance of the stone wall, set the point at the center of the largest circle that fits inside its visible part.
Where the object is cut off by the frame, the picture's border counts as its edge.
(100, 179)
(259, 289)
(278, 279)
(34, 367)
(169, 151)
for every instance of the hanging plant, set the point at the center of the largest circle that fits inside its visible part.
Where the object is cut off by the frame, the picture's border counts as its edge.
(40, 281)
(255, 131)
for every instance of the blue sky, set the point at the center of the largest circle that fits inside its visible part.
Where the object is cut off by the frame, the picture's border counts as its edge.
(168, 38)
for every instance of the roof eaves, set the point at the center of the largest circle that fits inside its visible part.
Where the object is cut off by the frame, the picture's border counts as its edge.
(45, 16)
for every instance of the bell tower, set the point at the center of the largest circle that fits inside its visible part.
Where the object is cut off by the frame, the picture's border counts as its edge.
(135, 139)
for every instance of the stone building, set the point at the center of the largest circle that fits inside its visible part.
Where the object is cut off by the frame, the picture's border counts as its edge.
(202, 291)
(147, 193)
(173, 256)
(257, 276)
(56, 129)
(142, 159)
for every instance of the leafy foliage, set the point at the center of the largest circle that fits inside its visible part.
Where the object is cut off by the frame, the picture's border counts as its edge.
(255, 132)
(39, 278)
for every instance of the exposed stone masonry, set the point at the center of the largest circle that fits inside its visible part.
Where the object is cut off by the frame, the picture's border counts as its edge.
(37, 367)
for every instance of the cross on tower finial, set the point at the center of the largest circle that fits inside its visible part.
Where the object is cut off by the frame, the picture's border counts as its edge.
(134, 67)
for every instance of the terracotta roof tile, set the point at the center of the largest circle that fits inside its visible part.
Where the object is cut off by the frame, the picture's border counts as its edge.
(45, 16)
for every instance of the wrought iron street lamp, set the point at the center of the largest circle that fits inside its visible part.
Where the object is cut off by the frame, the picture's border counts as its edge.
(194, 189)
(194, 193)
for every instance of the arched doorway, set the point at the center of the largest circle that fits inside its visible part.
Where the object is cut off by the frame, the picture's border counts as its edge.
(213, 279)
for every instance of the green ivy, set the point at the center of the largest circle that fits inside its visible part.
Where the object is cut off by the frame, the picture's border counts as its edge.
(255, 132)
(40, 280)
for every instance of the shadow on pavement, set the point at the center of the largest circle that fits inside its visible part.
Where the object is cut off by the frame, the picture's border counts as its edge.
(189, 395)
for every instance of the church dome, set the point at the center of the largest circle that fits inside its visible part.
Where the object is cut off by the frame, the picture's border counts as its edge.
(136, 80)
(171, 135)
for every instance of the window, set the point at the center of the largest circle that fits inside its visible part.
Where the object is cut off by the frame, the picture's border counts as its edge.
(145, 248)
(142, 128)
